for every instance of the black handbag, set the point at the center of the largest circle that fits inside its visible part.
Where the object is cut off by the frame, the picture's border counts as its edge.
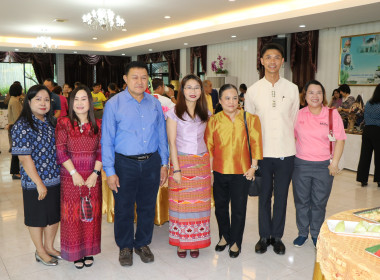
(254, 187)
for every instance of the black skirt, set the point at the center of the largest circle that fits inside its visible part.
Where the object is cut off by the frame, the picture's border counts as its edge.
(41, 213)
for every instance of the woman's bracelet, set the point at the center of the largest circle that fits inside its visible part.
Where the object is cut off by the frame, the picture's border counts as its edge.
(255, 167)
(176, 171)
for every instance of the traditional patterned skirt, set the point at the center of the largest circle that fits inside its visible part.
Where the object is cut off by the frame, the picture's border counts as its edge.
(190, 203)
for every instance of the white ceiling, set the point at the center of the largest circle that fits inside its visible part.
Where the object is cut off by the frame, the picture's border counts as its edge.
(196, 22)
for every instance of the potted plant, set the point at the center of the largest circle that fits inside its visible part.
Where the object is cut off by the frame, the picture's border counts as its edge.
(217, 66)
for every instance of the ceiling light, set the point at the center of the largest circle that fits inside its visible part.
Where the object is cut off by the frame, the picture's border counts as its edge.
(231, 0)
(233, 36)
(103, 18)
(59, 20)
(167, 17)
(16, 50)
(94, 38)
(150, 50)
(185, 44)
(75, 52)
(44, 43)
(302, 26)
(123, 54)
(124, 29)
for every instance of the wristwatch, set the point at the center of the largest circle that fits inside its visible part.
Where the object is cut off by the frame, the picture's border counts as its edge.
(165, 165)
(97, 172)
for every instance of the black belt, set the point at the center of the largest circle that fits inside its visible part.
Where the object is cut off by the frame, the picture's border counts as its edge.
(140, 157)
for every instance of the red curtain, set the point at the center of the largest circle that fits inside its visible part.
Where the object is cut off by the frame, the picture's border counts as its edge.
(304, 56)
(200, 52)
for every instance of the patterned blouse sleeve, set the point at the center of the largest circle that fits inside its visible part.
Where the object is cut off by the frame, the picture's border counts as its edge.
(99, 135)
(61, 140)
(21, 140)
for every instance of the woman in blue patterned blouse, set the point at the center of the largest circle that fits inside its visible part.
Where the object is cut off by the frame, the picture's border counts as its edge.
(370, 140)
(33, 141)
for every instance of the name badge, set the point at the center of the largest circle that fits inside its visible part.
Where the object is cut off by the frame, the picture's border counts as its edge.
(331, 138)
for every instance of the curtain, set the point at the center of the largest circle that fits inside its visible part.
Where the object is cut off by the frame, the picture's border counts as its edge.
(260, 43)
(43, 63)
(3, 55)
(304, 56)
(200, 52)
(172, 57)
(80, 68)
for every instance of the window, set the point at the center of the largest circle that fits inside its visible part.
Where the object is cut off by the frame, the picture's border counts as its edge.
(159, 70)
(22, 72)
(198, 68)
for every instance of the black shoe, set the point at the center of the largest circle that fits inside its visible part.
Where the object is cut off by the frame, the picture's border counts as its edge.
(278, 246)
(364, 184)
(234, 254)
(378, 184)
(145, 254)
(79, 264)
(126, 257)
(88, 261)
(220, 248)
(262, 245)
(16, 177)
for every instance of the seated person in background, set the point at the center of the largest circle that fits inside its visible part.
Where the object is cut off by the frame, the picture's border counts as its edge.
(336, 100)
(357, 110)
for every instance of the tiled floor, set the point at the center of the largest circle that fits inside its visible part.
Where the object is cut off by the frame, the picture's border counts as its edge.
(17, 251)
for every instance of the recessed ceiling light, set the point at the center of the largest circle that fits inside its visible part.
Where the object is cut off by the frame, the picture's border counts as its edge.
(150, 50)
(167, 17)
(233, 36)
(94, 38)
(16, 50)
(185, 44)
(59, 20)
(231, 0)
(302, 26)
(123, 54)
(124, 29)
(75, 52)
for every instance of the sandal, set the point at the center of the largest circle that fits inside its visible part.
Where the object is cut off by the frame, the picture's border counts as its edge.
(88, 261)
(79, 264)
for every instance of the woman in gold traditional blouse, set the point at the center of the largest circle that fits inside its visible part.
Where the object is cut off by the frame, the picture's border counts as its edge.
(226, 140)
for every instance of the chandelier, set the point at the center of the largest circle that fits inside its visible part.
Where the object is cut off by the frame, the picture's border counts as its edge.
(44, 43)
(103, 18)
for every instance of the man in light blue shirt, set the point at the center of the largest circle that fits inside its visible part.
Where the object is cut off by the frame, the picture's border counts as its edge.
(135, 157)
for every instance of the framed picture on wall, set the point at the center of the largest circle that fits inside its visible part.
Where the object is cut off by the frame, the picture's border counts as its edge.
(359, 62)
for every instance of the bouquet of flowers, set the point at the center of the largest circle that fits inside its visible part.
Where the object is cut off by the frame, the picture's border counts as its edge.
(218, 65)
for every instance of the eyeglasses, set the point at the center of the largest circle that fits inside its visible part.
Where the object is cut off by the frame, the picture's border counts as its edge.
(192, 88)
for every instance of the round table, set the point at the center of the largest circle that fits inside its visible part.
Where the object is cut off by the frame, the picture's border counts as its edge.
(344, 257)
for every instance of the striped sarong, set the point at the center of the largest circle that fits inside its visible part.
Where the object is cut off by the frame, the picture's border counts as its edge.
(190, 203)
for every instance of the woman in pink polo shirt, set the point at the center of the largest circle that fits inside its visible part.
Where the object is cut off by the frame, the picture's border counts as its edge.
(314, 166)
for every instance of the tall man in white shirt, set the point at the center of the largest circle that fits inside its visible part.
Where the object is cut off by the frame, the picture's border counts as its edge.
(275, 100)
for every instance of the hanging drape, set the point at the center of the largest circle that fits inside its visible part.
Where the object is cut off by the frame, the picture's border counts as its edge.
(43, 63)
(200, 52)
(3, 55)
(80, 68)
(172, 57)
(260, 43)
(304, 56)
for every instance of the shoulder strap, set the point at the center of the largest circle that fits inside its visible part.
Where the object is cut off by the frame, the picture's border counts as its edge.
(246, 129)
(331, 127)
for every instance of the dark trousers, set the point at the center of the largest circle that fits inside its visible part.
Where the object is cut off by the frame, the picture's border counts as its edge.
(276, 176)
(139, 182)
(15, 163)
(312, 185)
(370, 143)
(230, 188)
